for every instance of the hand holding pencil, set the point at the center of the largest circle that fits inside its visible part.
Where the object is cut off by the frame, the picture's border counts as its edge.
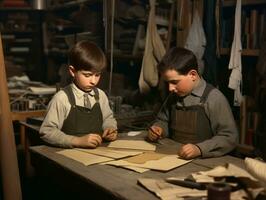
(155, 133)
(109, 134)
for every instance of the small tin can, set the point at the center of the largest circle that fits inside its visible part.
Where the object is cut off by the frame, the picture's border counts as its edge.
(218, 191)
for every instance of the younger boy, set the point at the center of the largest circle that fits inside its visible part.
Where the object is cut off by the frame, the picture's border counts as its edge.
(197, 114)
(79, 115)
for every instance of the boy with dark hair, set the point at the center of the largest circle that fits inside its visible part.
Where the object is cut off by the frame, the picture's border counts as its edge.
(79, 115)
(198, 115)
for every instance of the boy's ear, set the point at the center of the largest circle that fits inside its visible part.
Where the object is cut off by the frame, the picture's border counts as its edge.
(71, 70)
(194, 74)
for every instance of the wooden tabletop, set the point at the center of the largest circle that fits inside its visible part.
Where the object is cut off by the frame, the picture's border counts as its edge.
(119, 183)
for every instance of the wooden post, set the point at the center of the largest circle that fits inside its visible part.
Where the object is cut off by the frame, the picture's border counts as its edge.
(8, 154)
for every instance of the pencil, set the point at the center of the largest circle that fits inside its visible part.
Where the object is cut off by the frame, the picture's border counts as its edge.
(113, 131)
(154, 132)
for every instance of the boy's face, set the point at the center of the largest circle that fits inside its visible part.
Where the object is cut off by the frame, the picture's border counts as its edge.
(179, 84)
(84, 79)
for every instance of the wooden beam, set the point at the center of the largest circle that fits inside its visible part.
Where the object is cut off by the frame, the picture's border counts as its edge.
(8, 154)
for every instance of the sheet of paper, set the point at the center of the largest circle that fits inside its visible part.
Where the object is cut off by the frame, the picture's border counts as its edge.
(110, 153)
(134, 133)
(82, 157)
(148, 156)
(151, 160)
(132, 144)
(136, 169)
(167, 191)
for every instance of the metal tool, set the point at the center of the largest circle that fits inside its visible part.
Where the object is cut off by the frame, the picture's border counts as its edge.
(186, 183)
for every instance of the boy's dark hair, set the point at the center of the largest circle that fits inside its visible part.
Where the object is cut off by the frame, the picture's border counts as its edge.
(180, 59)
(86, 55)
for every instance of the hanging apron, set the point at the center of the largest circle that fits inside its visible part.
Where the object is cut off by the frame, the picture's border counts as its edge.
(190, 124)
(81, 120)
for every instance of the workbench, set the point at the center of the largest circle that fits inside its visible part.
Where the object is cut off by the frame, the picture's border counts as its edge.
(77, 181)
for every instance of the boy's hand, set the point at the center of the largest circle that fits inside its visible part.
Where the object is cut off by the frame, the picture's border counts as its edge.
(189, 151)
(155, 133)
(109, 134)
(91, 140)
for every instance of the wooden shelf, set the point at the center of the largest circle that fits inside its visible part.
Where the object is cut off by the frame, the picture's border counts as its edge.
(227, 3)
(14, 9)
(245, 52)
(23, 115)
(72, 4)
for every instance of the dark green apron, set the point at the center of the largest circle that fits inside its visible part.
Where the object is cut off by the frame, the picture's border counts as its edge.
(81, 120)
(190, 124)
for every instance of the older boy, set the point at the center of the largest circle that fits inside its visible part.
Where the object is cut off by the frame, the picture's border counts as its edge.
(198, 115)
(79, 115)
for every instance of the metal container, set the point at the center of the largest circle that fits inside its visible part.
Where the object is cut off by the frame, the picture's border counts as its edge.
(39, 4)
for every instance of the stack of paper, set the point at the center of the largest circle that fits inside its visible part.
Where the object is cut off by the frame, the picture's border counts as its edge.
(151, 160)
(137, 155)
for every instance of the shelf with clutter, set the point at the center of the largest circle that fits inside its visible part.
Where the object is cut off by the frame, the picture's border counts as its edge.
(253, 15)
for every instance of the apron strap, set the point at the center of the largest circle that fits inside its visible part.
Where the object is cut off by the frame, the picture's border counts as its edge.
(206, 92)
(70, 95)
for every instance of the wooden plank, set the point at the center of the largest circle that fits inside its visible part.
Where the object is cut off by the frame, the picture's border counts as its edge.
(227, 3)
(23, 115)
(245, 52)
(8, 153)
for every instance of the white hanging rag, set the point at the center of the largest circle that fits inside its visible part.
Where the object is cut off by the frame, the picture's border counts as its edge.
(235, 80)
(154, 51)
(196, 40)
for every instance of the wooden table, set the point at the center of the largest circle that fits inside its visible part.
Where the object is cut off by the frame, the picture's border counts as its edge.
(108, 182)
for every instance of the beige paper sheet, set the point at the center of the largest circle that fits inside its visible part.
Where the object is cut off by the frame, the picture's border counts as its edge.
(110, 153)
(167, 191)
(151, 160)
(133, 168)
(132, 144)
(221, 171)
(82, 157)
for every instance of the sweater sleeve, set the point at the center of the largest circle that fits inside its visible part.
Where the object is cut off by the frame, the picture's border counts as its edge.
(57, 112)
(223, 125)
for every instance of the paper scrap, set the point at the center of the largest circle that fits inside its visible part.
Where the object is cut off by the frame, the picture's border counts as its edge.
(223, 171)
(134, 133)
(167, 191)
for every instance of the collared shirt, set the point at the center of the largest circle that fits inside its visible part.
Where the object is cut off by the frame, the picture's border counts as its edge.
(221, 119)
(58, 110)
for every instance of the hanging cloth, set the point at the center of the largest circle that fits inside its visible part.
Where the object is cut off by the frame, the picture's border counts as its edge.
(196, 40)
(235, 64)
(153, 53)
